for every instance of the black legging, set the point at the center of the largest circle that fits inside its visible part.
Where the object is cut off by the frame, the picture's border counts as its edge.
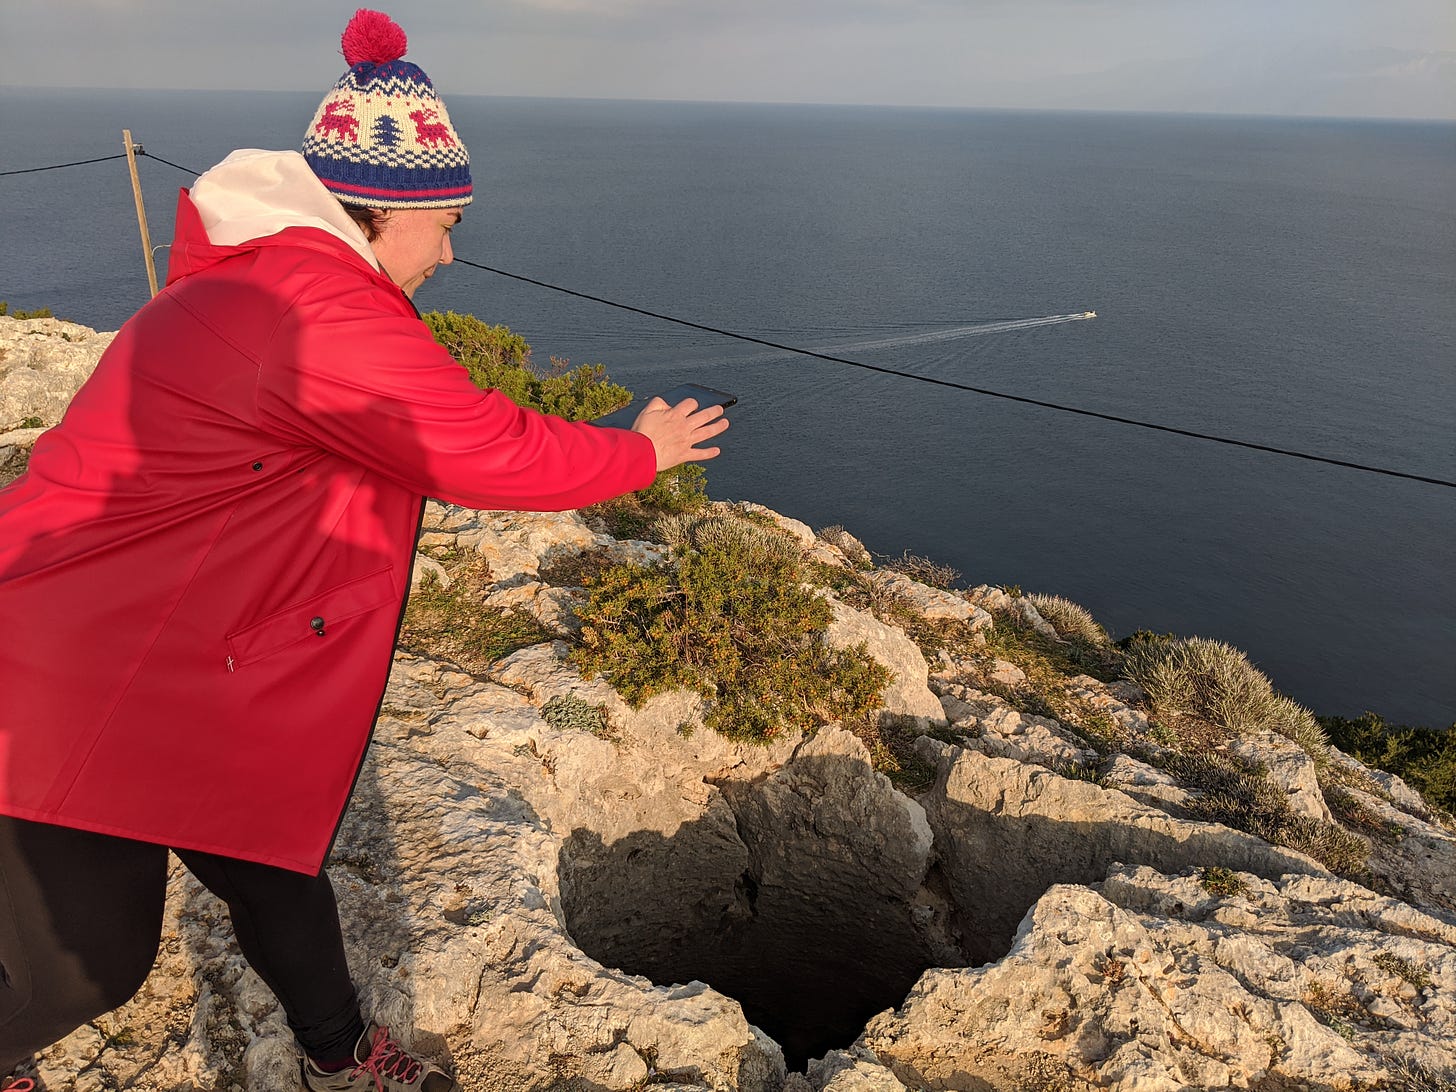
(81, 918)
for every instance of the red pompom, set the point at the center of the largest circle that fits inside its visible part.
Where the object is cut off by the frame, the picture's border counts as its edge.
(374, 37)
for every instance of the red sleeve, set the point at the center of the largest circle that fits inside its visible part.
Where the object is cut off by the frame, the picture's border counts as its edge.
(354, 371)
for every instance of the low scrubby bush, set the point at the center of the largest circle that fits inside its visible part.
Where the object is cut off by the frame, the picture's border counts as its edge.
(679, 490)
(1424, 758)
(730, 618)
(451, 624)
(1240, 794)
(498, 359)
(39, 312)
(567, 712)
(1215, 682)
(922, 569)
(1072, 622)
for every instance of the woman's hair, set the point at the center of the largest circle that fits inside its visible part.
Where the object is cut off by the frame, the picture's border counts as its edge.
(370, 220)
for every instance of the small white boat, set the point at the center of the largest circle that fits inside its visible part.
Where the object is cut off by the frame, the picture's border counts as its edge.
(1089, 314)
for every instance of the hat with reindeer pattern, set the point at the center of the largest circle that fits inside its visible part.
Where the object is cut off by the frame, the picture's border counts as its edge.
(381, 138)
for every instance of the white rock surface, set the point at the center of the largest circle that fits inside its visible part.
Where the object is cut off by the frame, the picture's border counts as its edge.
(934, 603)
(1288, 766)
(1150, 983)
(43, 362)
(909, 693)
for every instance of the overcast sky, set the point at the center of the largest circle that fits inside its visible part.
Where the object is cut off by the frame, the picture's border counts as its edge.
(1394, 58)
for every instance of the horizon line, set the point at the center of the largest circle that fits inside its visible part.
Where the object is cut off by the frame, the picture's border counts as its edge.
(1090, 110)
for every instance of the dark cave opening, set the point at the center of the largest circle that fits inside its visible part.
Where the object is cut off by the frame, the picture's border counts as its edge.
(812, 918)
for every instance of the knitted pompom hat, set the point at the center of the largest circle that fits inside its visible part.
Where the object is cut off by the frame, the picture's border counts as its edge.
(381, 138)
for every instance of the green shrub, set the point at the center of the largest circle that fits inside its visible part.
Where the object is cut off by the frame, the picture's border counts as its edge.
(678, 490)
(1198, 677)
(451, 624)
(1215, 682)
(1417, 976)
(1231, 791)
(568, 712)
(1223, 882)
(1344, 853)
(33, 422)
(475, 343)
(1424, 758)
(39, 312)
(730, 619)
(1072, 622)
(1241, 795)
(497, 359)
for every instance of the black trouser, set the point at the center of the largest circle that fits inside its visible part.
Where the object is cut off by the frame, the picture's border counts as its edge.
(81, 918)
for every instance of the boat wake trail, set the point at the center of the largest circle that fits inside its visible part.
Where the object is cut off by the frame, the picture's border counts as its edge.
(923, 337)
(954, 333)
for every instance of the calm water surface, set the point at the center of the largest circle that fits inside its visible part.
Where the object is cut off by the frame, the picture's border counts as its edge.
(1278, 281)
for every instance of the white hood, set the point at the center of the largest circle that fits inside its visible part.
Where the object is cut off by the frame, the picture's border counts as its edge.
(252, 194)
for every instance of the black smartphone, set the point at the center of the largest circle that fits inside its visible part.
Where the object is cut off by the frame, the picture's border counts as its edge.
(705, 396)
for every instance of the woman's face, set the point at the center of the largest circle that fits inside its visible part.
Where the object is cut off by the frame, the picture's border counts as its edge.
(412, 242)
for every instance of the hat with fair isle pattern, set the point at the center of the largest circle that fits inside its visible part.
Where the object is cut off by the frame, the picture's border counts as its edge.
(381, 138)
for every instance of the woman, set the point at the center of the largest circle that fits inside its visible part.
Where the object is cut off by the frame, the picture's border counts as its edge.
(208, 559)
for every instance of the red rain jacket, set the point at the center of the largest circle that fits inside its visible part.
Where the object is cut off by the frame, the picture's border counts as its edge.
(203, 569)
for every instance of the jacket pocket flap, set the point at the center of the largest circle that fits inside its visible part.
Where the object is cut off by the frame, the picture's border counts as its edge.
(300, 622)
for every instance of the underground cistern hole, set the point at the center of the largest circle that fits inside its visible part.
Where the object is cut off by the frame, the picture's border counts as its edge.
(810, 912)
(807, 970)
(818, 895)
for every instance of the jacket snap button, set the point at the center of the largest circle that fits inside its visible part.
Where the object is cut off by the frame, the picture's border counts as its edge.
(257, 466)
(317, 624)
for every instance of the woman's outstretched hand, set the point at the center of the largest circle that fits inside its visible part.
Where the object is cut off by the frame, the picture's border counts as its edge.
(675, 431)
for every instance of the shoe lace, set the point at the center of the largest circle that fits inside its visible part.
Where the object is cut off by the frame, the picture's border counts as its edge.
(386, 1059)
(18, 1084)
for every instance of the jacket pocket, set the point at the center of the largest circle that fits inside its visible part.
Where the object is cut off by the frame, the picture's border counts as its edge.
(312, 618)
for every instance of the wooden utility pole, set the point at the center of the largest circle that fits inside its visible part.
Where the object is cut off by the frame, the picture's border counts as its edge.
(136, 191)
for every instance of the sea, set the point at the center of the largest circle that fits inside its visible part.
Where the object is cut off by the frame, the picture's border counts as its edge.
(1282, 282)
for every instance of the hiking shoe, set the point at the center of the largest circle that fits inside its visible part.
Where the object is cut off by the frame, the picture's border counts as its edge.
(18, 1084)
(384, 1066)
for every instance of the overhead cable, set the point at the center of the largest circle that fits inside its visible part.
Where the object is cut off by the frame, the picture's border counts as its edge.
(967, 387)
(1039, 403)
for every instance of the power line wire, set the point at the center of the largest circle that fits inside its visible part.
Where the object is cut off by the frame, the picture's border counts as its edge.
(1059, 407)
(159, 159)
(967, 387)
(58, 166)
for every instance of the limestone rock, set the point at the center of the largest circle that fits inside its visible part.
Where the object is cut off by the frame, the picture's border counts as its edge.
(1147, 785)
(1141, 985)
(1288, 766)
(852, 1071)
(933, 603)
(43, 362)
(427, 568)
(909, 692)
(541, 901)
(1028, 613)
(996, 728)
(989, 598)
(1409, 854)
(826, 828)
(1006, 830)
(1114, 701)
